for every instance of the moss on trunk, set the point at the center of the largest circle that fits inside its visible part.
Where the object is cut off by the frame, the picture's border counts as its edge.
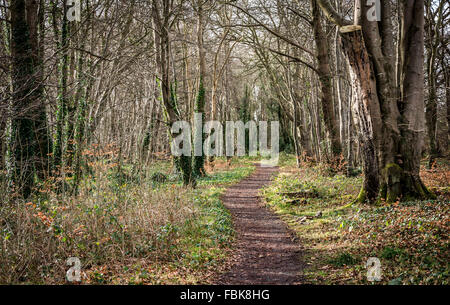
(397, 184)
(361, 196)
(199, 161)
(401, 185)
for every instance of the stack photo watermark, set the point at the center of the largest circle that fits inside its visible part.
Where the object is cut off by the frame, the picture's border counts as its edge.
(236, 138)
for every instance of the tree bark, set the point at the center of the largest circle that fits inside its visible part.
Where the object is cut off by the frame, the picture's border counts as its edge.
(22, 145)
(58, 148)
(199, 161)
(390, 122)
(161, 12)
(324, 71)
(366, 108)
(35, 21)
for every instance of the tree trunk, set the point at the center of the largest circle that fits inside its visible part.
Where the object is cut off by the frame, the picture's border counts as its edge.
(22, 145)
(411, 103)
(433, 40)
(199, 161)
(390, 123)
(58, 147)
(35, 20)
(366, 109)
(447, 99)
(324, 71)
(162, 22)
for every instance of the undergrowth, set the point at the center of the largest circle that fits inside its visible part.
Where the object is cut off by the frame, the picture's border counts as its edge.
(409, 238)
(123, 226)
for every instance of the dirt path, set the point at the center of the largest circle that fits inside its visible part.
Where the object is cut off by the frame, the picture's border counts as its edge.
(264, 250)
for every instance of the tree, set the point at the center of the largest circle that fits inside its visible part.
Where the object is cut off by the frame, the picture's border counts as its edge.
(324, 73)
(390, 120)
(36, 23)
(63, 46)
(163, 13)
(26, 110)
(433, 25)
(199, 161)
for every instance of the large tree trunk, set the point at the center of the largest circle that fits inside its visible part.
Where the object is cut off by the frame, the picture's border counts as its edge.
(411, 105)
(22, 145)
(390, 123)
(365, 106)
(324, 71)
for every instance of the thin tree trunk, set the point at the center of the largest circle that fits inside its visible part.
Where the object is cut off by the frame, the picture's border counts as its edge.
(431, 105)
(324, 71)
(161, 20)
(58, 147)
(35, 20)
(199, 161)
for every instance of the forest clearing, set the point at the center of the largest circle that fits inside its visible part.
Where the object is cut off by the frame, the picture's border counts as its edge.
(224, 142)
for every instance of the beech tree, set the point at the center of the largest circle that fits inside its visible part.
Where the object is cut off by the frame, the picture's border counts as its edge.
(325, 77)
(388, 95)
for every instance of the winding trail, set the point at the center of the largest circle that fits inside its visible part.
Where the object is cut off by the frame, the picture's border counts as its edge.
(265, 252)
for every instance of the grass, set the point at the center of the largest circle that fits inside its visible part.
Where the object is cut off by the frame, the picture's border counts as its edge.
(124, 227)
(409, 238)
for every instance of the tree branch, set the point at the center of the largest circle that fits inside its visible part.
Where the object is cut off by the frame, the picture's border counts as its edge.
(331, 14)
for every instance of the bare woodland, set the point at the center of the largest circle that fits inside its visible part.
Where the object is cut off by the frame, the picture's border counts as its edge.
(360, 96)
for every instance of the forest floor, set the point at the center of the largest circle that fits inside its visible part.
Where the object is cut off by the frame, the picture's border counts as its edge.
(410, 239)
(264, 250)
(124, 226)
(146, 228)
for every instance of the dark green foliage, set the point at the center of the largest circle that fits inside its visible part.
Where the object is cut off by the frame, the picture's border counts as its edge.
(353, 172)
(392, 253)
(343, 259)
(182, 163)
(159, 177)
(286, 138)
(245, 115)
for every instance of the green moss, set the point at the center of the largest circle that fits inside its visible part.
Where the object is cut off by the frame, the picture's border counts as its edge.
(399, 185)
(392, 176)
(343, 259)
(394, 170)
(362, 196)
(391, 197)
(199, 161)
